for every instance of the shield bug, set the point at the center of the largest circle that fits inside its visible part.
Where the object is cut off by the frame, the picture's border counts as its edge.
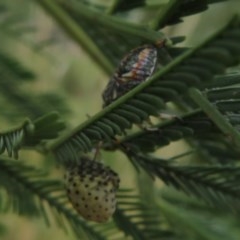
(136, 67)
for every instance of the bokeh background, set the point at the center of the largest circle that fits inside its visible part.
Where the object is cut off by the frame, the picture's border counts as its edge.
(68, 80)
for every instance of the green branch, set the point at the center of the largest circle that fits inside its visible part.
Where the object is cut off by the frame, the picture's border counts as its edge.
(215, 115)
(30, 133)
(136, 105)
(166, 124)
(113, 23)
(215, 184)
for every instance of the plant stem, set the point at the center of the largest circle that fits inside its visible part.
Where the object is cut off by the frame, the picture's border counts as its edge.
(113, 23)
(215, 115)
(52, 146)
(160, 125)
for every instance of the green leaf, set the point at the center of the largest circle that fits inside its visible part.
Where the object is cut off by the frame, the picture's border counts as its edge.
(30, 134)
(139, 220)
(31, 193)
(216, 185)
(174, 11)
(176, 68)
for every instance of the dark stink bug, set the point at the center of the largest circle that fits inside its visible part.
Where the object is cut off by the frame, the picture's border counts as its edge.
(136, 67)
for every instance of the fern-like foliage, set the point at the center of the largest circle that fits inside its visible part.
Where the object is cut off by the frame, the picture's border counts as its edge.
(108, 31)
(195, 124)
(138, 220)
(192, 220)
(122, 42)
(191, 124)
(30, 133)
(30, 192)
(217, 185)
(195, 82)
(192, 67)
(176, 10)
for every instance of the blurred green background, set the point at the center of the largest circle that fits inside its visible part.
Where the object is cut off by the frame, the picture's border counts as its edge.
(69, 81)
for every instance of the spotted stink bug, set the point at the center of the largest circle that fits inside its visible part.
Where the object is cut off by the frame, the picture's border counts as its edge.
(91, 188)
(136, 67)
